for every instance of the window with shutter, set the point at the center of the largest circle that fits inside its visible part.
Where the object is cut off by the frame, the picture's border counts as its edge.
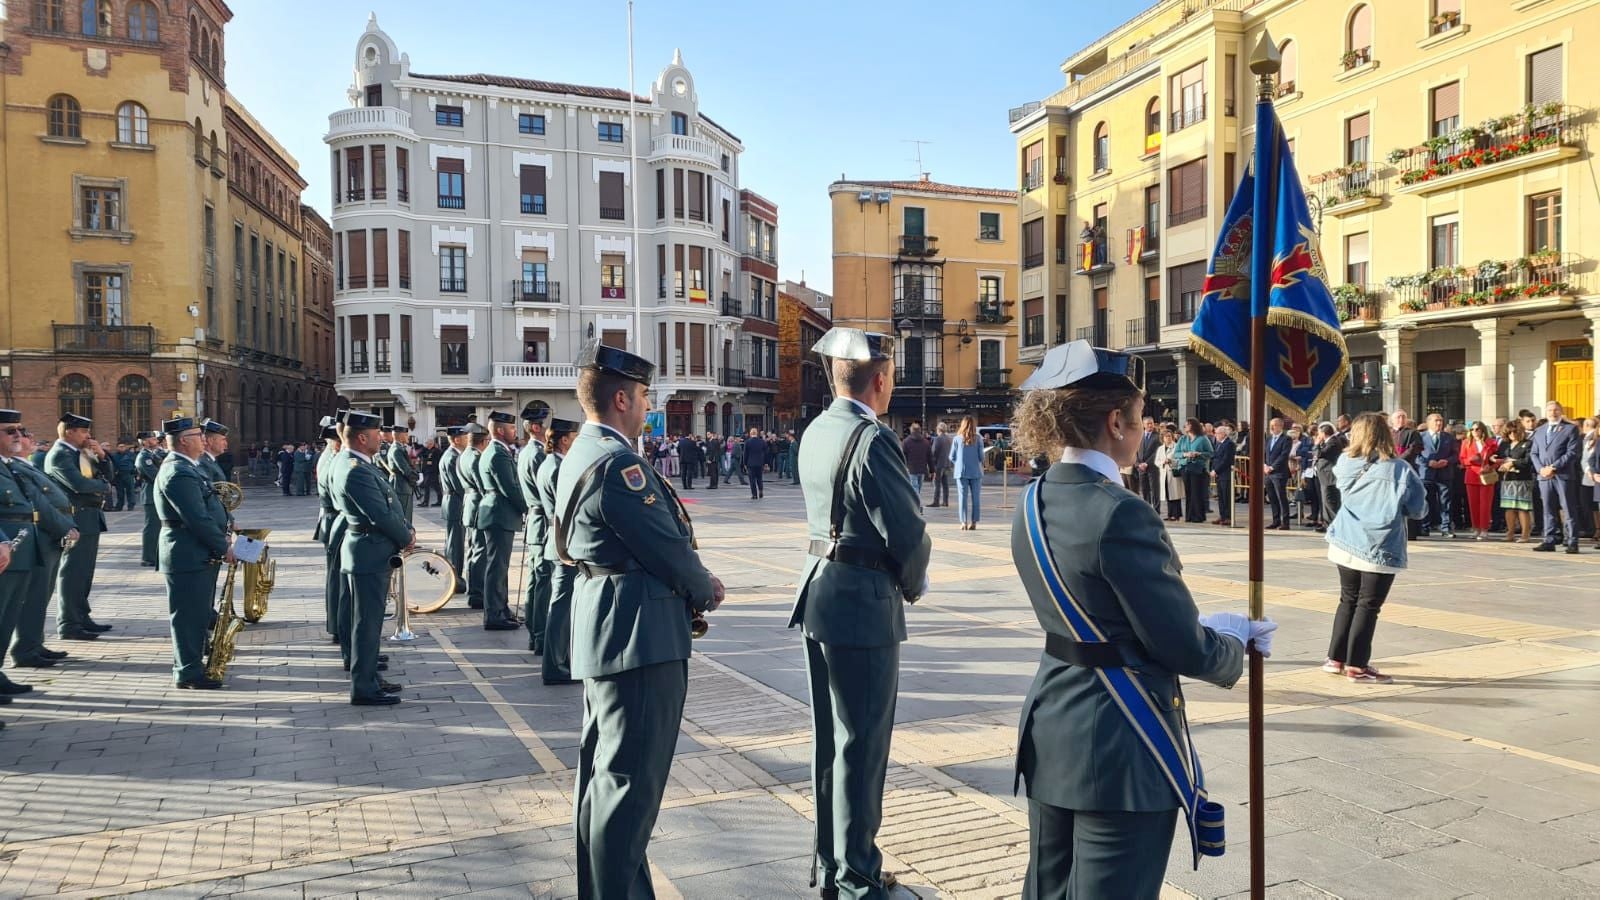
(1544, 76)
(405, 259)
(1358, 138)
(1544, 222)
(697, 349)
(1446, 108)
(358, 258)
(380, 172)
(1185, 283)
(532, 180)
(381, 343)
(380, 257)
(611, 205)
(1186, 190)
(453, 349)
(1357, 255)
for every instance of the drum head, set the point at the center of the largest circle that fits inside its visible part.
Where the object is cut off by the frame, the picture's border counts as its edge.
(430, 582)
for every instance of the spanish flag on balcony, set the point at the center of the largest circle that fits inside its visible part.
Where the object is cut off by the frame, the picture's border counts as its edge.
(1305, 353)
(1086, 251)
(1135, 244)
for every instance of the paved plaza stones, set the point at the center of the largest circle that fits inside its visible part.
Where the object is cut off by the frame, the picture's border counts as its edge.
(1476, 774)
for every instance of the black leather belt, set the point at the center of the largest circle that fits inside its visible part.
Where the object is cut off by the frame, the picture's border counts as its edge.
(172, 523)
(358, 529)
(19, 518)
(1107, 655)
(594, 570)
(853, 556)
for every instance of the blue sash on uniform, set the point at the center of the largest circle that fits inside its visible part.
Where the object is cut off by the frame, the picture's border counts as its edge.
(1177, 759)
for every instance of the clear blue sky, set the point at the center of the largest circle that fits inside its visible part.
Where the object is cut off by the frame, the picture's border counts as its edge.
(813, 88)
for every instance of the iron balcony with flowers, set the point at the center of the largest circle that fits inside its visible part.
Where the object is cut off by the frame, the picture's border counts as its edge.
(1494, 147)
(1543, 274)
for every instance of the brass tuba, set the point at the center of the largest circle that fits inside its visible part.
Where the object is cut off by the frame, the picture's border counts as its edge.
(225, 632)
(259, 578)
(229, 493)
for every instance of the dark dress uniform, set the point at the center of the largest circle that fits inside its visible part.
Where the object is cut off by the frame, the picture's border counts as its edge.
(19, 522)
(851, 608)
(66, 465)
(148, 465)
(1101, 810)
(376, 531)
(639, 577)
(127, 490)
(402, 475)
(556, 660)
(455, 492)
(467, 470)
(536, 590)
(194, 541)
(501, 512)
(55, 522)
(330, 530)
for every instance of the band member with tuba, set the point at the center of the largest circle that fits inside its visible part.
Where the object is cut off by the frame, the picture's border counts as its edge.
(58, 529)
(21, 536)
(556, 660)
(639, 579)
(467, 468)
(402, 474)
(330, 528)
(1103, 743)
(73, 469)
(376, 531)
(194, 543)
(147, 464)
(455, 493)
(867, 559)
(536, 572)
(500, 517)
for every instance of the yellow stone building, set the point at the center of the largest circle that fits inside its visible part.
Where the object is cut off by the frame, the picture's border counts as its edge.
(115, 219)
(935, 264)
(1444, 148)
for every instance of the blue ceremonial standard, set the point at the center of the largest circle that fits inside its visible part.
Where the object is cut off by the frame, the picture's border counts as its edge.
(1306, 359)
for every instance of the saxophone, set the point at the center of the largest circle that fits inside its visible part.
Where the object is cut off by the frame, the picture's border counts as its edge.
(225, 632)
(259, 578)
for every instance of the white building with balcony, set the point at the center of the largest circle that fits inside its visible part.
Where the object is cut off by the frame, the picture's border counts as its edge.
(485, 227)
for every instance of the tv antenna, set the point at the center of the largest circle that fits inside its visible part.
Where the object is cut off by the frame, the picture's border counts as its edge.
(921, 172)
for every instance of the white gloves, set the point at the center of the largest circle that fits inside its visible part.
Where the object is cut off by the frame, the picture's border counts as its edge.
(1242, 629)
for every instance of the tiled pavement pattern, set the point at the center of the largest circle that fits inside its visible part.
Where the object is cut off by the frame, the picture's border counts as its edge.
(1477, 774)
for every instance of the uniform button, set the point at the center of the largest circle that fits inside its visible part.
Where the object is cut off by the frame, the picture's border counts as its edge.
(1177, 703)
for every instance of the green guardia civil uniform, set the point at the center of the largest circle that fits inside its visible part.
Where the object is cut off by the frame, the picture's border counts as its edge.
(148, 464)
(501, 514)
(851, 610)
(376, 530)
(17, 518)
(87, 494)
(330, 531)
(194, 541)
(556, 657)
(472, 572)
(402, 477)
(55, 522)
(455, 492)
(638, 578)
(536, 590)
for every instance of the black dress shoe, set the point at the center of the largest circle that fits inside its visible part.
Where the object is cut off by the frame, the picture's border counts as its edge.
(379, 700)
(98, 628)
(535, 648)
(460, 588)
(4, 700)
(33, 662)
(80, 636)
(471, 605)
(383, 657)
(552, 682)
(1572, 550)
(47, 653)
(1545, 548)
(148, 565)
(502, 625)
(11, 688)
(200, 684)
(382, 667)
(389, 687)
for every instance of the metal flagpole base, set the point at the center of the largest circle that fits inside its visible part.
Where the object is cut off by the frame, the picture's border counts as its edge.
(404, 634)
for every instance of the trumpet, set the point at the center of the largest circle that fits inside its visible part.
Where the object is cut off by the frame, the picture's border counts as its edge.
(431, 584)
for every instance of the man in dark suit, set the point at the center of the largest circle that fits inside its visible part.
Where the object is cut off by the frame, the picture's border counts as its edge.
(1408, 446)
(1556, 449)
(1221, 466)
(1441, 454)
(755, 461)
(688, 460)
(286, 468)
(1335, 440)
(711, 452)
(1276, 468)
(1146, 475)
(73, 469)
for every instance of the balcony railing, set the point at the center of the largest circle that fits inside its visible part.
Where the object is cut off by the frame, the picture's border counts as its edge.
(919, 306)
(1183, 118)
(918, 245)
(992, 312)
(1094, 334)
(535, 291)
(448, 285)
(731, 378)
(926, 376)
(732, 306)
(994, 379)
(612, 212)
(1033, 331)
(448, 202)
(1032, 181)
(356, 193)
(1098, 256)
(533, 204)
(369, 119)
(1540, 275)
(1350, 184)
(1494, 141)
(1033, 260)
(1181, 310)
(1357, 302)
(1141, 331)
(682, 146)
(105, 338)
(535, 375)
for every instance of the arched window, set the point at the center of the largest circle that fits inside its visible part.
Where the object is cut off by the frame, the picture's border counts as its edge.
(97, 18)
(1102, 147)
(1358, 37)
(133, 124)
(66, 117)
(199, 139)
(216, 56)
(50, 15)
(1290, 71)
(133, 406)
(216, 151)
(1152, 125)
(77, 395)
(143, 24)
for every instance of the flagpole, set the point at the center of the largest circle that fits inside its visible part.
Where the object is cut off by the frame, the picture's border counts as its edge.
(1265, 61)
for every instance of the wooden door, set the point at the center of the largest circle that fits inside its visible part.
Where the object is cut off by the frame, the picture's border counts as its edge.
(1572, 377)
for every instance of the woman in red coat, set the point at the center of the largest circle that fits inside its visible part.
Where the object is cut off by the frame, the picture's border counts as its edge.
(1477, 458)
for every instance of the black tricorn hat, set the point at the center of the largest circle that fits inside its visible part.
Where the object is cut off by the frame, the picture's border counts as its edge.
(596, 355)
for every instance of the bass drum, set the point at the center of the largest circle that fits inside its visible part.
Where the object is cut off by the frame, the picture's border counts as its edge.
(430, 582)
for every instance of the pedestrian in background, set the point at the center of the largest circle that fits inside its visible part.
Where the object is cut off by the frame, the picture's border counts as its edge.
(1378, 493)
(1516, 480)
(966, 458)
(918, 452)
(755, 461)
(1479, 474)
(1222, 469)
(941, 465)
(1586, 496)
(1166, 461)
(1193, 459)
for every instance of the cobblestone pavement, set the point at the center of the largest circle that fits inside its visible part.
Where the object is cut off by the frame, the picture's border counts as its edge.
(1476, 774)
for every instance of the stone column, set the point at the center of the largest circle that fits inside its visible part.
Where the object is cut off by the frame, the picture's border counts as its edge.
(1188, 383)
(1494, 364)
(1593, 314)
(1400, 369)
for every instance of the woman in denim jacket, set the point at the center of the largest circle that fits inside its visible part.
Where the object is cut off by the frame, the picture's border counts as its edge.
(1367, 541)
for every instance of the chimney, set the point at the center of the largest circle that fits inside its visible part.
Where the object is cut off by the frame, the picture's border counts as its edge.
(924, 177)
